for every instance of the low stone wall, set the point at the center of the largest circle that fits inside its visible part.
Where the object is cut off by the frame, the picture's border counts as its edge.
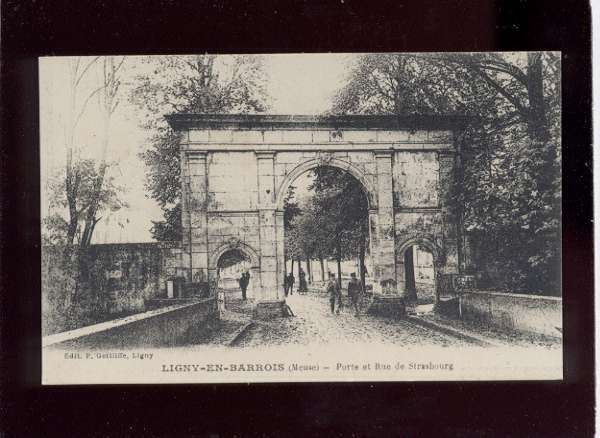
(528, 313)
(111, 280)
(166, 326)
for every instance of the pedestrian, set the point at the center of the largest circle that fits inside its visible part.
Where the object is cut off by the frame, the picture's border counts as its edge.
(244, 280)
(354, 292)
(302, 286)
(291, 281)
(333, 291)
(285, 284)
(247, 279)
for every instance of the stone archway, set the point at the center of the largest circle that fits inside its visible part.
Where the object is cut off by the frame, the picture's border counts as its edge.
(423, 242)
(245, 249)
(235, 171)
(330, 161)
(325, 159)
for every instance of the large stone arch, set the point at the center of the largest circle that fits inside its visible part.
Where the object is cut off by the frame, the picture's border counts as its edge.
(313, 163)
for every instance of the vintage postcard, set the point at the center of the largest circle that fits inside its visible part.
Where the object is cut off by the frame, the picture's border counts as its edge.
(296, 218)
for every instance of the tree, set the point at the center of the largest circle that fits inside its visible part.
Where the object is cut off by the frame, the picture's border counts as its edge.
(332, 223)
(77, 72)
(107, 91)
(108, 199)
(188, 84)
(108, 103)
(507, 195)
(341, 212)
(290, 211)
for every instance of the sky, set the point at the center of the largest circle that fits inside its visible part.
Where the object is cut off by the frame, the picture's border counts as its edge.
(298, 84)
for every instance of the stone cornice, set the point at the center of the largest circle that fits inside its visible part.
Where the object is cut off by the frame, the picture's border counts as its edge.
(262, 148)
(269, 121)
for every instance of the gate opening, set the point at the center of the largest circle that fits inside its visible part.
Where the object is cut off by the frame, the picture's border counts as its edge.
(326, 228)
(419, 275)
(231, 266)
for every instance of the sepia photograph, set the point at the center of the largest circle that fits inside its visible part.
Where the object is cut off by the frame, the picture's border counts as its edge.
(317, 217)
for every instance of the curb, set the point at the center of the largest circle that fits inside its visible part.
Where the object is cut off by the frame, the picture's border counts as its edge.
(239, 334)
(453, 332)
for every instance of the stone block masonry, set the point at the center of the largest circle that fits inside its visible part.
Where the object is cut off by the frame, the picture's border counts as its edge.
(244, 165)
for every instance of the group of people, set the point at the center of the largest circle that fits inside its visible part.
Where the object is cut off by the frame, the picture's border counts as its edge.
(355, 289)
(289, 280)
(334, 290)
(244, 280)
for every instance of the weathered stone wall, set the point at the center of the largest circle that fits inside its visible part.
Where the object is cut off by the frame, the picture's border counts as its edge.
(416, 178)
(129, 273)
(232, 182)
(528, 313)
(163, 327)
(227, 225)
(110, 279)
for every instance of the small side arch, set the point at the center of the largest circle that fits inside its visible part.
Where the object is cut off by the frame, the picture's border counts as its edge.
(428, 244)
(313, 163)
(423, 241)
(234, 245)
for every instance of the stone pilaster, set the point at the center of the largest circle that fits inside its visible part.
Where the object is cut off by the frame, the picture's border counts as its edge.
(384, 257)
(280, 237)
(374, 248)
(194, 214)
(267, 226)
(186, 253)
(386, 300)
(449, 220)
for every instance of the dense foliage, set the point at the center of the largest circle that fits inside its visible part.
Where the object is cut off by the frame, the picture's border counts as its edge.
(508, 192)
(333, 222)
(188, 84)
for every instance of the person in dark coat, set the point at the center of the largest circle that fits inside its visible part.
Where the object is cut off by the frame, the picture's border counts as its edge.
(290, 282)
(333, 290)
(285, 284)
(303, 287)
(354, 292)
(244, 281)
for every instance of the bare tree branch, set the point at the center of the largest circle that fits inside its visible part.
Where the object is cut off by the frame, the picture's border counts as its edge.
(86, 68)
(92, 94)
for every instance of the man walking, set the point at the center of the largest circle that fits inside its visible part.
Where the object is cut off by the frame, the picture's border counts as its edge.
(354, 292)
(244, 280)
(334, 291)
(290, 283)
(302, 285)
